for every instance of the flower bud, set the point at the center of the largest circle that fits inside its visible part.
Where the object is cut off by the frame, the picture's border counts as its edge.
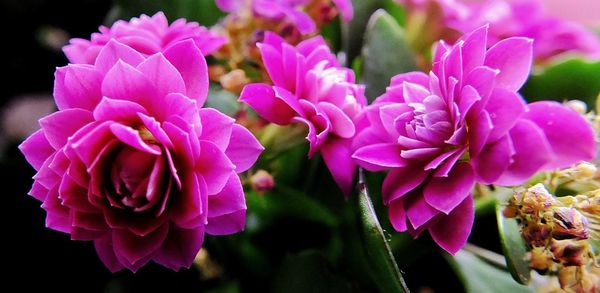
(578, 106)
(536, 199)
(569, 224)
(262, 181)
(234, 81)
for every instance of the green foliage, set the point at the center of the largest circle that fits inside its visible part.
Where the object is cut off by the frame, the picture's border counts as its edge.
(203, 11)
(384, 54)
(513, 247)
(570, 79)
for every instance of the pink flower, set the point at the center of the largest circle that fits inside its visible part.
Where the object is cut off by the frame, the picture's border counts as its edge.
(130, 161)
(285, 9)
(147, 35)
(463, 123)
(310, 87)
(525, 18)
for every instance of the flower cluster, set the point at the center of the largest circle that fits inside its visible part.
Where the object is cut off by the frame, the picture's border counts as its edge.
(131, 161)
(463, 123)
(557, 232)
(310, 87)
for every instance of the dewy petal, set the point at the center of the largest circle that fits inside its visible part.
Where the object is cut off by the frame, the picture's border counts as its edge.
(513, 57)
(446, 193)
(77, 86)
(337, 154)
(261, 98)
(532, 152)
(36, 149)
(452, 231)
(190, 63)
(399, 181)
(380, 156)
(163, 74)
(493, 160)
(505, 108)
(570, 136)
(243, 149)
(59, 126)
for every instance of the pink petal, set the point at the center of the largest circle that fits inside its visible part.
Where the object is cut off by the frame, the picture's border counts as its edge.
(418, 211)
(451, 232)
(397, 215)
(59, 126)
(227, 224)
(230, 199)
(446, 193)
(505, 108)
(474, 49)
(104, 249)
(114, 52)
(163, 74)
(132, 138)
(261, 98)
(483, 79)
(493, 160)
(189, 206)
(337, 154)
(214, 166)
(402, 180)
(134, 248)
(380, 156)
(124, 82)
(345, 9)
(532, 152)
(414, 77)
(77, 86)
(217, 127)
(341, 124)
(36, 149)
(180, 248)
(570, 136)
(513, 56)
(480, 127)
(118, 110)
(57, 216)
(190, 63)
(414, 93)
(243, 149)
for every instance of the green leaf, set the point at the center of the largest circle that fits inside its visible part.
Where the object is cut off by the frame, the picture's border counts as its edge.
(308, 271)
(353, 31)
(478, 276)
(570, 79)
(203, 11)
(379, 256)
(513, 247)
(222, 100)
(384, 54)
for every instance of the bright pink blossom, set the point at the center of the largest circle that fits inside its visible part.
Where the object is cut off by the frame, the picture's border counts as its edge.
(524, 18)
(147, 35)
(285, 9)
(132, 163)
(311, 88)
(463, 123)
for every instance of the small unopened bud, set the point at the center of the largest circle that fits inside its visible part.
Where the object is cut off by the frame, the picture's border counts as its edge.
(569, 224)
(234, 81)
(577, 105)
(570, 252)
(215, 72)
(262, 181)
(582, 171)
(536, 199)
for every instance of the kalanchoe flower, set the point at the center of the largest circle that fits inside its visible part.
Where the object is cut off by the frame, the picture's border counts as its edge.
(132, 163)
(147, 35)
(463, 123)
(289, 10)
(311, 88)
(508, 18)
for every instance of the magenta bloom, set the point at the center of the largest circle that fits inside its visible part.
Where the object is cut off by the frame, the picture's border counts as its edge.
(310, 87)
(147, 35)
(285, 9)
(130, 161)
(525, 18)
(463, 123)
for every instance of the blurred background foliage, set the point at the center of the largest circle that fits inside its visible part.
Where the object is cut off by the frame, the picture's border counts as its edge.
(302, 236)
